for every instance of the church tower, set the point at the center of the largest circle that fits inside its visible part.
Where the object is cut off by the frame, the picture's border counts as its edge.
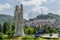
(18, 17)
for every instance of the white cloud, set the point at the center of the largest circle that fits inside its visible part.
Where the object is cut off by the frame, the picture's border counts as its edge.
(40, 10)
(26, 14)
(59, 2)
(37, 6)
(58, 12)
(4, 6)
(37, 11)
(36, 3)
(33, 2)
(53, 0)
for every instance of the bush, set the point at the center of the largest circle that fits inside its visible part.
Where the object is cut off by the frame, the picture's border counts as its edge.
(49, 29)
(29, 31)
(0, 35)
(4, 36)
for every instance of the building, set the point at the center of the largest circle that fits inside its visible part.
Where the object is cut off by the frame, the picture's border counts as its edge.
(41, 22)
(50, 35)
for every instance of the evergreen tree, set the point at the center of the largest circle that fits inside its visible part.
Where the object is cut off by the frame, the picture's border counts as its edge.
(5, 27)
(0, 28)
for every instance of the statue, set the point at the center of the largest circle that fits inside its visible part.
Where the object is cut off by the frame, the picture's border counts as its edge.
(18, 19)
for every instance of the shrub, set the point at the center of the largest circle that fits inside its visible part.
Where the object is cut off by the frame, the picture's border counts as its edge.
(0, 35)
(4, 36)
(29, 31)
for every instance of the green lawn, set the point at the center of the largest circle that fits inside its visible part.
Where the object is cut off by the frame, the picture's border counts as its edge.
(29, 38)
(19, 38)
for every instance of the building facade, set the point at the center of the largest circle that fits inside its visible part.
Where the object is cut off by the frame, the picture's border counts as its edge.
(41, 22)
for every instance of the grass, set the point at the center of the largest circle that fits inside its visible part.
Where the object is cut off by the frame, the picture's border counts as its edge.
(20, 38)
(30, 38)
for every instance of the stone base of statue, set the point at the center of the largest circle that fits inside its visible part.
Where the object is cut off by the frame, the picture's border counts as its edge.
(18, 35)
(19, 31)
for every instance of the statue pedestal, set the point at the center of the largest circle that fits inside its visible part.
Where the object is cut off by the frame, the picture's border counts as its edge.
(16, 38)
(18, 34)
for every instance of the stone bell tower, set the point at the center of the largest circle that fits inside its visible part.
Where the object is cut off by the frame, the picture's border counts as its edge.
(18, 17)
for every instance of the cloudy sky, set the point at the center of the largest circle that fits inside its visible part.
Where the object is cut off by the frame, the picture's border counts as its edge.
(32, 8)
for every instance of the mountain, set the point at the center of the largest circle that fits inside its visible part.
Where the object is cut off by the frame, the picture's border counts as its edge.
(47, 16)
(4, 18)
(8, 18)
(57, 17)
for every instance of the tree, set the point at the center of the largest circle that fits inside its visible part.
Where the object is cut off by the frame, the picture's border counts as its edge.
(0, 28)
(0, 32)
(11, 31)
(49, 29)
(5, 27)
(52, 30)
(13, 28)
